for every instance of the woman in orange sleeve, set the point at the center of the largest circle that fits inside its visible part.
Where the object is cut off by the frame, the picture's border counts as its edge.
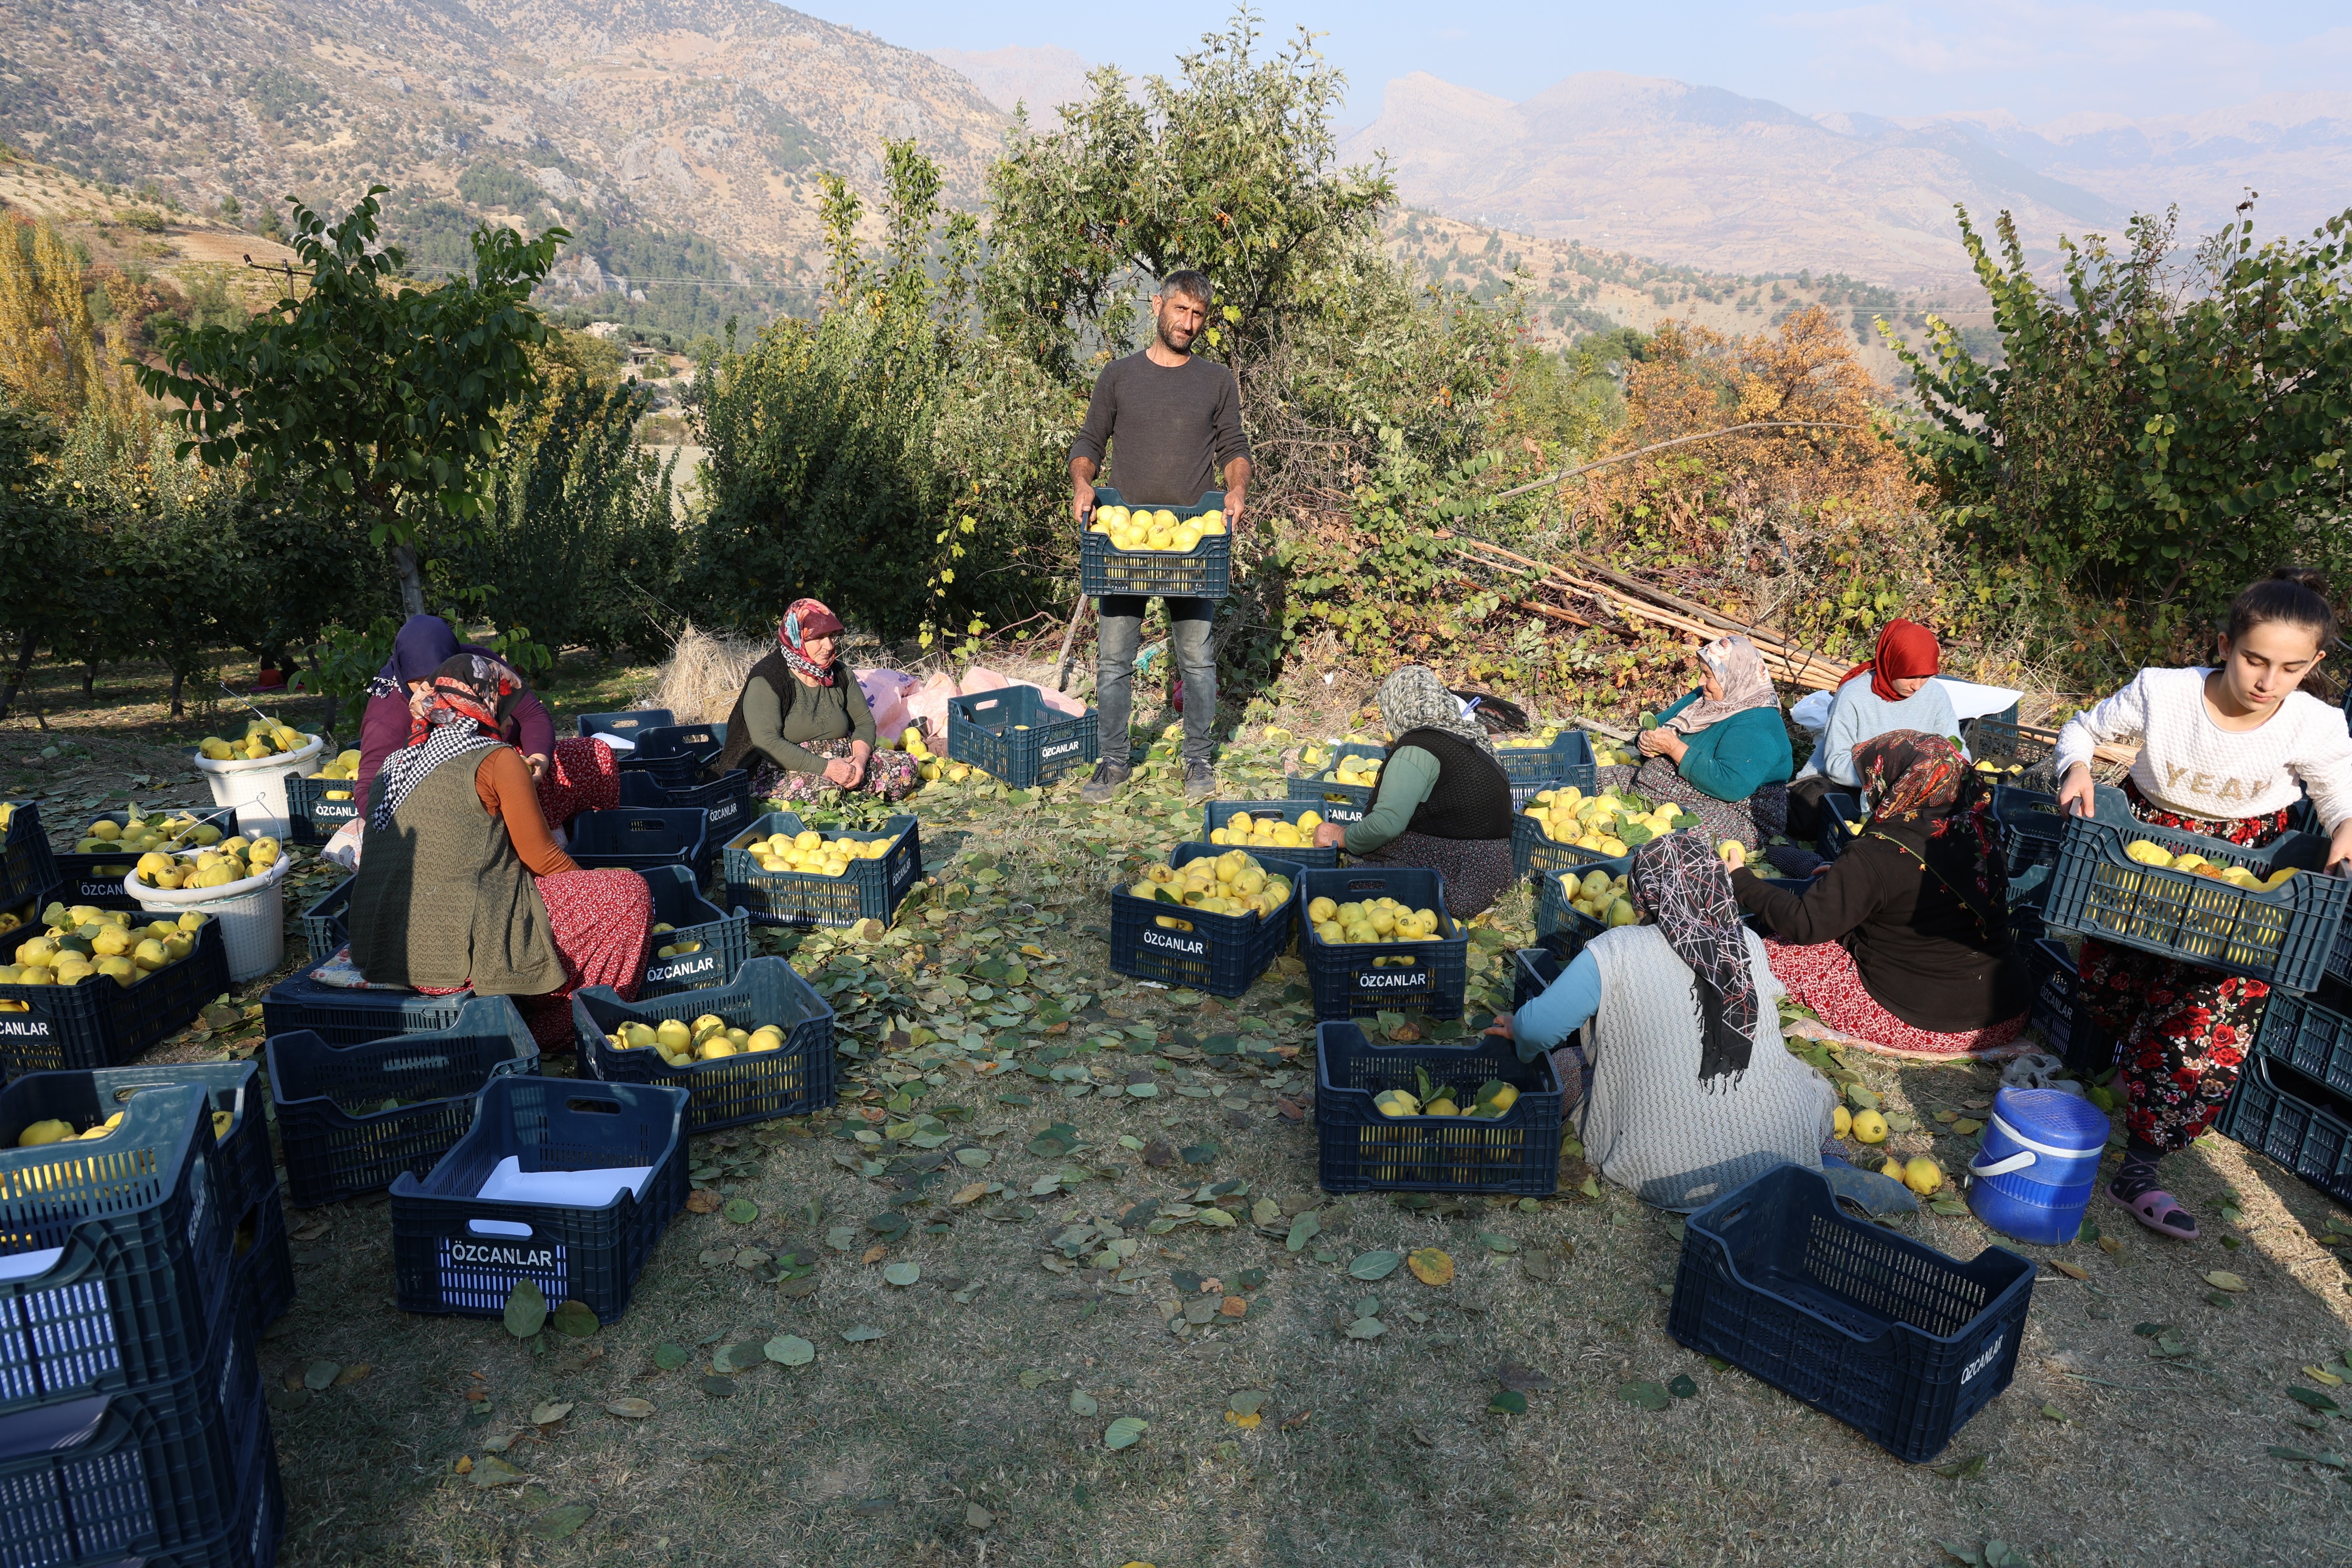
(461, 884)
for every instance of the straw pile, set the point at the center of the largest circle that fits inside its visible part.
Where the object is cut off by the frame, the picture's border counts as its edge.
(705, 672)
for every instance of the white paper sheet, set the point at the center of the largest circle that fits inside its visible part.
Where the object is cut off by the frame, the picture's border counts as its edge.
(509, 1183)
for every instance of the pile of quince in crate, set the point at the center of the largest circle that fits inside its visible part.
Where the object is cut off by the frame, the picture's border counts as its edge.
(2148, 852)
(1268, 832)
(812, 854)
(345, 766)
(1373, 920)
(139, 834)
(1352, 769)
(86, 944)
(707, 1039)
(1145, 529)
(1608, 823)
(1493, 1099)
(1233, 883)
(40, 1134)
(1601, 897)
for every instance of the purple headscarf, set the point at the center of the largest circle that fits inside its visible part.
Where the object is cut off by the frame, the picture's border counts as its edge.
(424, 644)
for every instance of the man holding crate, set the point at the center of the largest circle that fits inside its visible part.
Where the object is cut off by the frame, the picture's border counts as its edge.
(1177, 421)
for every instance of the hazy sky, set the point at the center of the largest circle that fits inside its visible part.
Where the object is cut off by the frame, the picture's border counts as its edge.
(2037, 60)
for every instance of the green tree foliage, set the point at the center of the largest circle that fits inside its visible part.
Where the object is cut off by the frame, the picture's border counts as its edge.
(31, 609)
(577, 538)
(858, 458)
(1228, 170)
(2156, 434)
(393, 393)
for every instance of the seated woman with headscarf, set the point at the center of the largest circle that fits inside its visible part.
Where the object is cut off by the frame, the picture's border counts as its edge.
(800, 724)
(461, 886)
(1443, 801)
(572, 775)
(1903, 942)
(1895, 689)
(1686, 1090)
(1721, 746)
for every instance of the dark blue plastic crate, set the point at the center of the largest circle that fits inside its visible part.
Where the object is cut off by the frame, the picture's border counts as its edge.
(2312, 1034)
(1892, 1337)
(98, 1024)
(1535, 853)
(325, 924)
(627, 725)
(1354, 979)
(1343, 804)
(1838, 809)
(2285, 936)
(1221, 954)
(2008, 744)
(124, 1241)
(722, 941)
(329, 1099)
(455, 1251)
(725, 801)
(795, 1079)
(346, 1016)
(27, 869)
(1204, 572)
(1555, 919)
(264, 1283)
(1568, 760)
(2294, 1118)
(1358, 1150)
(639, 838)
(1011, 735)
(868, 890)
(246, 1172)
(1220, 812)
(310, 816)
(675, 757)
(1533, 970)
(2060, 1015)
(162, 1474)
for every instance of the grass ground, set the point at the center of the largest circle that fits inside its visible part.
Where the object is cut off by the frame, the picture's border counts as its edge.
(972, 1428)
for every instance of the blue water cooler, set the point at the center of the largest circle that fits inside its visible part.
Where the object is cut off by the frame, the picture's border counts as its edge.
(2037, 1164)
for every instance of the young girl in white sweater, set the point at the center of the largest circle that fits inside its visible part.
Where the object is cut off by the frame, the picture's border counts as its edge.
(2225, 751)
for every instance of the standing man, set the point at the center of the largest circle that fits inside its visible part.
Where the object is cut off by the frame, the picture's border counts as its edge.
(1177, 421)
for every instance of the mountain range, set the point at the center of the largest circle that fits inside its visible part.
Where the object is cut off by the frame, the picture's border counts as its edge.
(1708, 178)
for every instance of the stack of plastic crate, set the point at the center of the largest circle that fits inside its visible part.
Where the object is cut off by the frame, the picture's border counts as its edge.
(132, 1421)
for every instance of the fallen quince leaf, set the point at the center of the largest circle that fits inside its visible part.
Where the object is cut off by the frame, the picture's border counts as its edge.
(1429, 1266)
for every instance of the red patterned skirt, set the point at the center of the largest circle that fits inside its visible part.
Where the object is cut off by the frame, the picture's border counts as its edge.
(2181, 1030)
(581, 776)
(1822, 976)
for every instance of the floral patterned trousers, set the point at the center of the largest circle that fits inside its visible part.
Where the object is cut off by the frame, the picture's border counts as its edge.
(2181, 1030)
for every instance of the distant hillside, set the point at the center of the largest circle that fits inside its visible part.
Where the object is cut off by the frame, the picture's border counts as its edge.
(679, 139)
(1573, 290)
(1707, 178)
(1043, 77)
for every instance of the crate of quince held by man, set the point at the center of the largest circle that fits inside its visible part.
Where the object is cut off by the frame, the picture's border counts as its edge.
(1177, 552)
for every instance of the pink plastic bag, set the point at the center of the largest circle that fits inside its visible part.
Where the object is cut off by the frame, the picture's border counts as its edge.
(885, 694)
(928, 707)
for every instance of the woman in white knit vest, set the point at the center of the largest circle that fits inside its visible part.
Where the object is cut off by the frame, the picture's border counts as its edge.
(2223, 752)
(1690, 1091)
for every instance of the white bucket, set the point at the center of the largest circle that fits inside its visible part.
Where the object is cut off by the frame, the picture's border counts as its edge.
(251, 914)
(255, 789)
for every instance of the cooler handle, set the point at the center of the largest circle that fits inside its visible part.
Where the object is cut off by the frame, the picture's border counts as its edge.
(2002, 1167)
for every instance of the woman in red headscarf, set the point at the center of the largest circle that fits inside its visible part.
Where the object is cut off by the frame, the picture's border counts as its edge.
(800, 724)
(1892, 691)
(461, 884)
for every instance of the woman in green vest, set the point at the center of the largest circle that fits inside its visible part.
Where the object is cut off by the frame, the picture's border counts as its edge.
(460, 885)
(1722, 752)
(800, 724)
(1443, 801)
